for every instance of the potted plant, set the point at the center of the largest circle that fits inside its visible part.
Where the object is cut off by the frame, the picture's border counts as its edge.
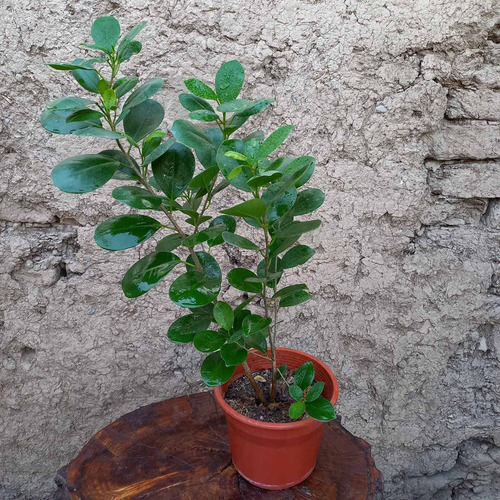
(275, 399)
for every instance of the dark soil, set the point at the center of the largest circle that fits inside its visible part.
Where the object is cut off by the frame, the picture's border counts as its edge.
(241, 397)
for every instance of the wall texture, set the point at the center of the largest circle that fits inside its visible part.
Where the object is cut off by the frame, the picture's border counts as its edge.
(399, 100)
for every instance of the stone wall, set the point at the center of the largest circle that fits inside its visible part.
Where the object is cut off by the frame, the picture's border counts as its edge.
(398, 100)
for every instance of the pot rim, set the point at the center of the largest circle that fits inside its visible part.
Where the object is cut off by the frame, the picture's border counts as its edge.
(281, 426)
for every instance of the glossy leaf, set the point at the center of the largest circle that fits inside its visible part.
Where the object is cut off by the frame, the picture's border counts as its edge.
(127, 50)
(304, 375)
(239, 241)
(184, 329)
(202, 236)
(174, 169)
(321, 409)
(235, 123)
(207, 157)
(295, 392)
(69, 103)
(295, 299)
(229, 81)
(144, 92)
(254, 324)
(278, 206)
(99, 132)
(254, 209)
(235, 337)
(105, 31)
(131, 34)
(289, 290)
(208, 264)
(136, 197)
(204, 179)
(143, 119)
(148, 272)
(109, 99)
(228, 221)
(190, 135)
(256, 107)
(125, 231)
(297, 228)
(224, 315)
(297, 256)
(203, 115)
(281, 371)
(274, 271)
(193, 103)
(315, 391)
(124, 170)
(158, 151)
(54, 120)
(82, 174)
(257, 341)
(67, 66)
(87, 78)
(209, 341)
(236, 278)
(214, 371)
(296, 410)
(295, 178)
(298, 171)
(200, 89)
(236, 156)
(279, 245)
(275, 140)
(234, 106)
(233, 354)
(308, 200)
(169, 243)
(194, 289)
(126, 86)
(85, 115)
(264, 178)
(227, 165)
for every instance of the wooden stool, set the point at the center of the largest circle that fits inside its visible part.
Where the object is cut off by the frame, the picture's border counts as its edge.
(179, 449)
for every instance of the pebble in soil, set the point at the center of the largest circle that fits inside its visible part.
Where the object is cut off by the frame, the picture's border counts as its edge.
(241, 397)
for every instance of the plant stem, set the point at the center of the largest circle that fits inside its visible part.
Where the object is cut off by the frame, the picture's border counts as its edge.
(255, 386)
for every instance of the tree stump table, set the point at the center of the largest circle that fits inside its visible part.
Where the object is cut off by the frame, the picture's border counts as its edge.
(179, 449)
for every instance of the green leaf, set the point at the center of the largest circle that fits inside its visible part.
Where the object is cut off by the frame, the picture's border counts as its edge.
(321, 409)
(85, 115)
(235, 106)
(200, 89)
(193, 103)
(278, 206)
(254, 209)
(235, 123)
(296, 410)
(109, 99)
(236, 278)
(203, 115)
(236, 156)
(145, 91)
(136, 197)
(234, 173)
(194, 289)
(169, 243)
(133, 33)
(103, 85)
(190, 135)
(275, 140)
(239, 241)
(289, 290)
(264, 178)
(69, 103)
(257, 341)
(125, 231)
(99, 132)
(174, 169)
(254, 324)
(295, 299)
(229, 81)
(229, 222)
(233, 354)
(315, 391)
(295, 171)
(224, 315)
(105, 32)
(129, 49)
(227, 164)
(204, 179)
(214, 371)
(297, 256)
(281, 371)
(202, 236)
(274, 271)
(148, 272)
(208, 264)
(143, 119)
(54, 120)
(184, 329)
(209, 341)
(296, 392)
(82, 174)
(256, 107)
(87, 78)
(67, 66)
(297, 228)
(125, 86)
(158, 151)
(207, 157)
(308, 200)
(304, 375)
(235, 337)
(124, 171)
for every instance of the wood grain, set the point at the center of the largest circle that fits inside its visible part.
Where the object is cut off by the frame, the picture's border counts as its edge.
(178, 450)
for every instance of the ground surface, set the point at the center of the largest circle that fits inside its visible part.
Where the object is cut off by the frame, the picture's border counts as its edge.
(399, 100)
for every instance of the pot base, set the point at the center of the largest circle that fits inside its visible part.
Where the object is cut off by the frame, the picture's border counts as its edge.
(273, 486)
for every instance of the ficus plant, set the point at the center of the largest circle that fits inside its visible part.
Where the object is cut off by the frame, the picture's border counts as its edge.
(171, 193)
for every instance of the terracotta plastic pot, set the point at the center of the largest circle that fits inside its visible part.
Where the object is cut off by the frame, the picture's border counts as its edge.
(276, 456)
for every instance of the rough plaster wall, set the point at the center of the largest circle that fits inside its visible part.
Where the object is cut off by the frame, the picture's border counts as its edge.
(399, 101)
